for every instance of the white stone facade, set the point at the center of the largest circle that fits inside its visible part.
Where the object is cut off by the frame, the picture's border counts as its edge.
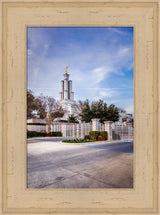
(67, 101)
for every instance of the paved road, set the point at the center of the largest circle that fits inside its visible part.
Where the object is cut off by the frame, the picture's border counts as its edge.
(98, 165)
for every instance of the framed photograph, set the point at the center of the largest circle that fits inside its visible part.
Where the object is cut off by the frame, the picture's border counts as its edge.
(80, 111)
(80, 138)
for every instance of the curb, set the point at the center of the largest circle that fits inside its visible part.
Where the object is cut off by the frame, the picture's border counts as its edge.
(96, 143)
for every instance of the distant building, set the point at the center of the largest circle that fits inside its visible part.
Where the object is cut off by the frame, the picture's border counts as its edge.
(67, 101)
(125, 118)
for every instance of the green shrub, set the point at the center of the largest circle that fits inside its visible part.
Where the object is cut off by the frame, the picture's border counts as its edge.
(115, 136)
(35, 134)
(57, 134)
(86, 137)
(76, 141)
(104, 134)
(93, 135)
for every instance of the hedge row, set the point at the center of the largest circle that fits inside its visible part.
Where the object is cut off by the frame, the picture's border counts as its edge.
(57, 134)
(43, 134)
(76, 141)
(93, 135)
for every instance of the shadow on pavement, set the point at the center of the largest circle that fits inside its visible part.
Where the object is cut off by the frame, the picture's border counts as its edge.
(117, 147)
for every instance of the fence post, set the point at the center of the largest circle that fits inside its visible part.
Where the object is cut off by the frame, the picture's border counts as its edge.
(51, 128)
(73, 130)
(82, 132)
(107, 127)
(77, 130)
(64, 130)
(95, 124)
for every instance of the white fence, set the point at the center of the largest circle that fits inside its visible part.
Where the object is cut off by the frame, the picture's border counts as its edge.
(72, 129)
(116, 131)
(122, 131)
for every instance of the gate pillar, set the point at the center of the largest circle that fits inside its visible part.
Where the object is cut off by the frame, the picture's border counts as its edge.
(108, 128)
(95, 124)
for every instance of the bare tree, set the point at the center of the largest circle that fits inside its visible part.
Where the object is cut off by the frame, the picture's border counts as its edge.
(48, 109)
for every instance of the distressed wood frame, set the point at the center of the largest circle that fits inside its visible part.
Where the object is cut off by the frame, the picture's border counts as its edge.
(144, 17)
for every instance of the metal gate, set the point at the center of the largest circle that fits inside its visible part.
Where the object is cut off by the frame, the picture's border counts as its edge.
(122, 131)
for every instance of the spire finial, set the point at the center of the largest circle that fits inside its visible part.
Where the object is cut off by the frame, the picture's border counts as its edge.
(66, 69)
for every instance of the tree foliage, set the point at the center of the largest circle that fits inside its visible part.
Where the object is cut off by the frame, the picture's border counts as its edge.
(112, 113)
(72, 119)
(86, 112)
(31, 104)
(99, 110)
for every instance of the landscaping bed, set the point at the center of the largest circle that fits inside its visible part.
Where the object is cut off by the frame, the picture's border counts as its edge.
(92, 137)
(77, 141)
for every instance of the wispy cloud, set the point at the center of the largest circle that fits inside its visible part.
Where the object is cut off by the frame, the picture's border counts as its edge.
(118, 31)
(101, 73)
(100, 62)
(123, 51)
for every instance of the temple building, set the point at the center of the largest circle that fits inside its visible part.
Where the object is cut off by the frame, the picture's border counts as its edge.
(67, 101)
(66, 87)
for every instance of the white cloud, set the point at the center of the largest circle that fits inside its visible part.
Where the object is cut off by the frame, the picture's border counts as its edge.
(100, 73)
(104, 93)
(129, 109)
(108, 92)
(123, 51)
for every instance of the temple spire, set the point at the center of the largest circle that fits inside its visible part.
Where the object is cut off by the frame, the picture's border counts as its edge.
(66, 88)
(66, 69)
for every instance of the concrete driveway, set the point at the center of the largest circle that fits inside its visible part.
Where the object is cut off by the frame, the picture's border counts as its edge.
(99, 165)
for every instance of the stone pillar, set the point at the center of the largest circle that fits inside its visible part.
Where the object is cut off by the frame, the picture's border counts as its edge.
(95, 124)
(107, 126)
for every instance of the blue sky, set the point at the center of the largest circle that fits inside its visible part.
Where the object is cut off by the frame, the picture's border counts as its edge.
(100, 61)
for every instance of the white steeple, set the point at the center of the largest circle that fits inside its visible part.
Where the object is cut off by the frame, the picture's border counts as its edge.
(67, 101)
(66, 88)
